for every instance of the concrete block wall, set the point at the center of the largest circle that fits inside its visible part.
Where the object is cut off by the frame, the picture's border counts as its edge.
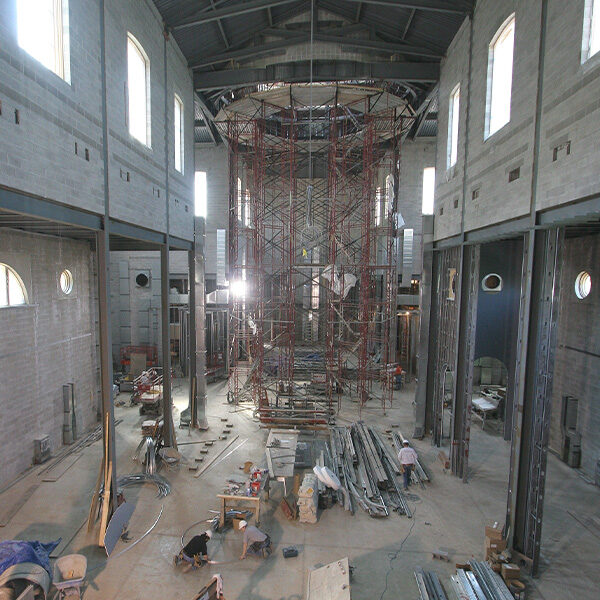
(577, 361)
(569, 115)
(448, 182)
(215, 161)
(135, 310)
(38, 154)
(571, 111)
(142, 199)
(45, 344)
(415, 157)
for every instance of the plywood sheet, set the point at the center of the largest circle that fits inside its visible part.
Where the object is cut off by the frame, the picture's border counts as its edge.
(331, 582)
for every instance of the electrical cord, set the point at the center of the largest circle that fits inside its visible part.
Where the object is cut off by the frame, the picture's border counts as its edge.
(392, 556)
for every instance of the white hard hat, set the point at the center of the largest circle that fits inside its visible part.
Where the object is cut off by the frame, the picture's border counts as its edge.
(243, 524)
(405, 442)
(208, 533)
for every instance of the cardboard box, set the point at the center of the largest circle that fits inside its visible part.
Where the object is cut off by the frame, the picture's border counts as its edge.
(493, 547)
(510, 571)
(494, 532)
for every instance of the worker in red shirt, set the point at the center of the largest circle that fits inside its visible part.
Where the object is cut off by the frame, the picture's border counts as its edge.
(398, 377)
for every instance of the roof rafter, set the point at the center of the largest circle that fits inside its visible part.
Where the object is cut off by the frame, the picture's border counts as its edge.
(230, 11)
(322, 71)
(302, 37)
(447, 6)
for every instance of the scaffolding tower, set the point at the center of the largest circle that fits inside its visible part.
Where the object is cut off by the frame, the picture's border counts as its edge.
(313, 197)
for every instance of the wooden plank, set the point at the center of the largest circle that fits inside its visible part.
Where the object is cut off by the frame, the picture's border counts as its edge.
(94, 503)
(105, 505)
(14, 508)
(207, 465)
(331, 582)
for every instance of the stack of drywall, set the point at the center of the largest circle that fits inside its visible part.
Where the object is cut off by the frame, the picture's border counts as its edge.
(308, 499)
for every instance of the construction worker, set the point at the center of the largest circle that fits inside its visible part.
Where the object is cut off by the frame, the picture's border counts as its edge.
(408, 458)
(398, 377)
(255, 541)
(195, 551)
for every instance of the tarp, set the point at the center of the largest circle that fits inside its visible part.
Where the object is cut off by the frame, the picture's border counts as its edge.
(13, 552)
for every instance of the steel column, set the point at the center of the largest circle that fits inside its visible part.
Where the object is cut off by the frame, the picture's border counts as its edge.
(461, 425)
(199, 332)
(537, 398)
(168, 428)
(103, 256)
(424, 360)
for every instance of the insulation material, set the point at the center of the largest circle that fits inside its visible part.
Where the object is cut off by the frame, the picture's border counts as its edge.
(341, 285)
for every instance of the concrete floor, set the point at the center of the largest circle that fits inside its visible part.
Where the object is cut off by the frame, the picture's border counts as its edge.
(448, 515)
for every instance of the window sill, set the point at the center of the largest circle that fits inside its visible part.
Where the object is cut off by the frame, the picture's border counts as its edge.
(18, 306)
(590, 63)
(491, 135)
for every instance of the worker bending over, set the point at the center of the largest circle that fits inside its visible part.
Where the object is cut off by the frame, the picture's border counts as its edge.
(255, 541)
(408, 458)
(195, 551)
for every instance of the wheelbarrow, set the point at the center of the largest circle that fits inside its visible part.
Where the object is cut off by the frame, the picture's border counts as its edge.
(69, 573)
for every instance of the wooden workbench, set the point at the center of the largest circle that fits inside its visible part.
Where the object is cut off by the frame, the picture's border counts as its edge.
(229, 501)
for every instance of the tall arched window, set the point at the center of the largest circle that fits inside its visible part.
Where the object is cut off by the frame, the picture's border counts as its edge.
(499, 80)
(138, 91)
(12, 288)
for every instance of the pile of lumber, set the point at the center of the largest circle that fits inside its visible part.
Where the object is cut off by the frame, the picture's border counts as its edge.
(368, 468)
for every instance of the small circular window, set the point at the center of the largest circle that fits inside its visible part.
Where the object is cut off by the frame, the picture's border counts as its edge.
(66, 281)
(492, 282)
(583, 285)
(142, 280)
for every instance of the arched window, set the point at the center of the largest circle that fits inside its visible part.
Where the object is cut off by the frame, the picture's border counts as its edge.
(138, 91)
(500, 70)
(12, 288)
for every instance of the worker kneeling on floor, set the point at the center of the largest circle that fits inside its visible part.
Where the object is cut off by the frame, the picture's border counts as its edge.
(255, 541)
(195, 552)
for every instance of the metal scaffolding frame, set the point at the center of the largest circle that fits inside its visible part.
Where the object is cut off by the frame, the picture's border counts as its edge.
(312, 249)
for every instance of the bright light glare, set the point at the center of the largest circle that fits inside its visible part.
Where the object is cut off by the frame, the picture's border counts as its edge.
(178, 139)
(39, 30)
(136, 89)
(428, 190)
(454, 112)
(501, 64)
(594, 28)
(200, 194)
(238, 289)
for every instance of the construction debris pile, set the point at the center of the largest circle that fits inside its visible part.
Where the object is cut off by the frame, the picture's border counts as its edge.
(494, 579)
(308, 499)
(476, 580)
(369, 469)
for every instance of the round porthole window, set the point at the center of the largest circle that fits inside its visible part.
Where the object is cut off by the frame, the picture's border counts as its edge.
(492, 282)
(142, 280)
(66, 281)
(583, 285)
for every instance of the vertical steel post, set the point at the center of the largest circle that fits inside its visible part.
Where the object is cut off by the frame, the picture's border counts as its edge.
(166, 348)
(528, 465)
(199, 419)
(461, 426)
(103, 255)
